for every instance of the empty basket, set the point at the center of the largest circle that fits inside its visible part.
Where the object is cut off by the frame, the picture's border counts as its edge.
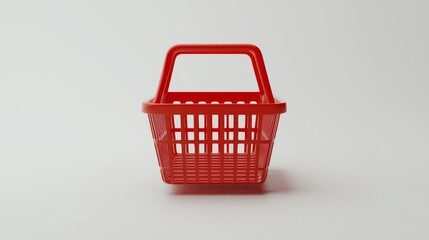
(214, 137)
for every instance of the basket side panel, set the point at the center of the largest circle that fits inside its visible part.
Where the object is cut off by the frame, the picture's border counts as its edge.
(160, 127)
(266, 135)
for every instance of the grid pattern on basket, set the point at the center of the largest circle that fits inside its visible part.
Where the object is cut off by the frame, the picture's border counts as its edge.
(213, 148)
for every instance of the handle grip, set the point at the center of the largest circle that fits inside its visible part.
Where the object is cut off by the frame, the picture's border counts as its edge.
(251, 50)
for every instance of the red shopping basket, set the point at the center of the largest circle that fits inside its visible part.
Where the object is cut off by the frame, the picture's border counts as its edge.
(214, 137)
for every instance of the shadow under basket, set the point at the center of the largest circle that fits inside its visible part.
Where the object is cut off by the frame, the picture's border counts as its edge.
(214, 137)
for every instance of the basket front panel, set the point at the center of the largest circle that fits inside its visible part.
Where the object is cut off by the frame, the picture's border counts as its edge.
(213, 148)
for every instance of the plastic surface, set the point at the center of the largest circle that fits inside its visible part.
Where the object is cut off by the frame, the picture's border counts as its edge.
(214, 137)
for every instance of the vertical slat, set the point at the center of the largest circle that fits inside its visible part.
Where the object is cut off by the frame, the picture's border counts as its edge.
(196, 146)
(259, 118)
(235, 146)
(173, 137)
(248, 143)
(209, 142)
(226, 118)
(221, 144)
(184, 141)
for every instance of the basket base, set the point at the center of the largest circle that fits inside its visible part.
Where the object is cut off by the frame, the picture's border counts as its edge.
(216, 169)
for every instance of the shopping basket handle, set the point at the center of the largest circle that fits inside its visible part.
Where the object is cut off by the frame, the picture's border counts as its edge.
(251, 50)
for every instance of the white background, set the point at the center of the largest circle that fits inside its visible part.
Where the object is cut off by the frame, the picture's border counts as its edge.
(351, 156)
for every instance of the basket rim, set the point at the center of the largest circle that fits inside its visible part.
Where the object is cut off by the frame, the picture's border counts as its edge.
(277, 107)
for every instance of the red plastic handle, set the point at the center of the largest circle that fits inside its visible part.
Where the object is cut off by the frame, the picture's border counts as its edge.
(251, 50)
